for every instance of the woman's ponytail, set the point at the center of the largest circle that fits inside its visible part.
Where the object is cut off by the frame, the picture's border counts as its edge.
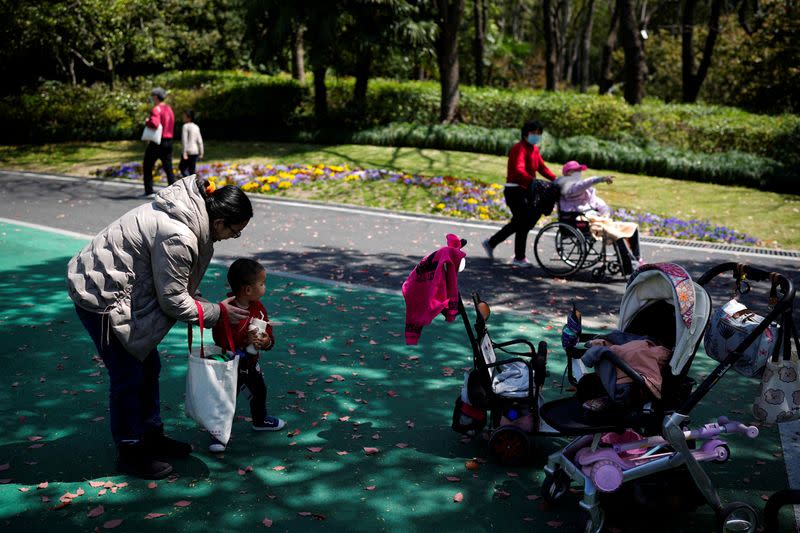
(228, 203)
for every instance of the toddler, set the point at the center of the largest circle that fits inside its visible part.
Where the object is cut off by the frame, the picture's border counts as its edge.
(247, 280)
(192, 143)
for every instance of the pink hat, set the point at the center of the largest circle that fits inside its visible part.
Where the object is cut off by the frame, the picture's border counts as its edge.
(572, 166)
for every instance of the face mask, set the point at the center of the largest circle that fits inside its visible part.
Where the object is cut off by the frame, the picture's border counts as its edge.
(534, 139)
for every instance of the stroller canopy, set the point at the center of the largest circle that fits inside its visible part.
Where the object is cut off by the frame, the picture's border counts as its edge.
(671, 284)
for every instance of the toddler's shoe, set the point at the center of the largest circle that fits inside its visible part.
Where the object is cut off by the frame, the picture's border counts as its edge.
(216, 446)
(522, 263)
(641, 262)
(488, 249)
(270, 423)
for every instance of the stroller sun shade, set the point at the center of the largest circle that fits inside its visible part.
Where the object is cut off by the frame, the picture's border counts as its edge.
(670, 284)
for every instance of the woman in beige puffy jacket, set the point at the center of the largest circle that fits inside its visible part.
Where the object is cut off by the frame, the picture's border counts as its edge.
(131, 284)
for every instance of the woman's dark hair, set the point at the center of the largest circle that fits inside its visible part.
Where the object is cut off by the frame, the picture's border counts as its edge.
(229, 204)
(243, 272)
(533, 125)
(190, 114)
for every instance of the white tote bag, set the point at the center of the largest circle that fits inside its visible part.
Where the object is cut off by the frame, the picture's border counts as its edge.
(778, 398)
(152, 135)
(211, 386)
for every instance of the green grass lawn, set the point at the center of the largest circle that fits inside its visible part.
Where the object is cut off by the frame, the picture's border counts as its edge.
(771, 217)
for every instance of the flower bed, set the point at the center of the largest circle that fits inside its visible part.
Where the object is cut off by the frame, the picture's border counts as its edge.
(455, 197)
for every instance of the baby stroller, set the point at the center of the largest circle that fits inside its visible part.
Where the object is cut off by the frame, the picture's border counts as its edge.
(660, 301)
(568, 245)
(503, 393)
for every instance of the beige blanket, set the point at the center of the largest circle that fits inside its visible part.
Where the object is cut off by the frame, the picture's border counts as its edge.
(612, 229)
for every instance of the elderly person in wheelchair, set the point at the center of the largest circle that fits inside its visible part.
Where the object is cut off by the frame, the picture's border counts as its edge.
(578, 240)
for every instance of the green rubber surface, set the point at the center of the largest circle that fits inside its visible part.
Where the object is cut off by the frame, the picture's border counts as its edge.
(342, 377)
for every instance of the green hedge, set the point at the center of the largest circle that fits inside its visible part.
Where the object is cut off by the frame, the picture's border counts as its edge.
(694, 141)
(731, 168)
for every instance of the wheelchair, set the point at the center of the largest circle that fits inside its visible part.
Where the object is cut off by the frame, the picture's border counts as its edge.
(567, 245)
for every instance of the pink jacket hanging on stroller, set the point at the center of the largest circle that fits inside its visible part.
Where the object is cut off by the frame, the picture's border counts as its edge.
(432, 288)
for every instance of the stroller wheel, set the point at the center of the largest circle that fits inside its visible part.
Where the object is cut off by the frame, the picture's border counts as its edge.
(510, 445)
(554, 487)
(737, 516)
(723, 453)
(598, 273)
(596, 525)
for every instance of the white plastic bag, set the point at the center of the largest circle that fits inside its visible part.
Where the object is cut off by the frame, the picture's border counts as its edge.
(152, 134)
(211, 388)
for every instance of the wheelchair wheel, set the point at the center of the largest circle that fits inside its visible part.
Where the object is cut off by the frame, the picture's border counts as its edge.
(560, 249)
(510, 445)
(594, 251)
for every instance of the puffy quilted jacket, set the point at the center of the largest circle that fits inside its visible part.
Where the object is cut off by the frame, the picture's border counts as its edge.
(142, 270)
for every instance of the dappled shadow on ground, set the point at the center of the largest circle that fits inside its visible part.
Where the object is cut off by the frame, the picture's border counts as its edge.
(343, 379)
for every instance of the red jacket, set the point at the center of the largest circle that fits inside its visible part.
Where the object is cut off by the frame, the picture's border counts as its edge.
(162, 115)
(524, 161)
(239, 331)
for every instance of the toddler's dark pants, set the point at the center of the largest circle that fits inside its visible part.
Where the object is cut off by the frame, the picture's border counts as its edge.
(251, 378)
(188, 166)
(134, 402)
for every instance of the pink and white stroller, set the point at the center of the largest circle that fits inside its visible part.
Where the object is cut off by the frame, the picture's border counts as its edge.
(644, 434)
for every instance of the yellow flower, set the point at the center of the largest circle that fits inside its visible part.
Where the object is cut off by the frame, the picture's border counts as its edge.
(284, 184)
(483, 216)
(265, 188)
(440, 206)
(491, 192)
(352, 177)
(496, 186)
(483, 209)
(472, 201)
(458, 189)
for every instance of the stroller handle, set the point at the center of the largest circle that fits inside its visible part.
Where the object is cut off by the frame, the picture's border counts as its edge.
(755, 274)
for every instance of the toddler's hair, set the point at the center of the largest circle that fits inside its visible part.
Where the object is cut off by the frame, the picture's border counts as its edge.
(243, 272)
(190, 114)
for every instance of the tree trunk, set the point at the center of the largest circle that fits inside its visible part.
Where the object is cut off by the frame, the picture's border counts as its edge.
(606, 76)
(320, 94)
(72, 76)
(561, 23)
(110, 66)
(479, 44)
(692, 81)
(449, 19)
(634, 52)
(551, 70)
(586, 47)
(298, 56)
(363, 69)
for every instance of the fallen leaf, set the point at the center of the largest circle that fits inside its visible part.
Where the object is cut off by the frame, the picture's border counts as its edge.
(278, 468)
(472, 465)
(96, 484)
(152, 485)
(81, 492)
(555, 523)
(97, 511)
(452, 478)
(111, 524)
(500, 493)
(458, 497)
(42, 485)
(391, 394)
(401, 445)
(150, 516)
(370, 487)
(23, 489)
(314, 449)
(183, 503)
(344, 418)
(34, 438)
(267, 522)
(341, 453)
(512, 474)
(371, 451)
(532, 497)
